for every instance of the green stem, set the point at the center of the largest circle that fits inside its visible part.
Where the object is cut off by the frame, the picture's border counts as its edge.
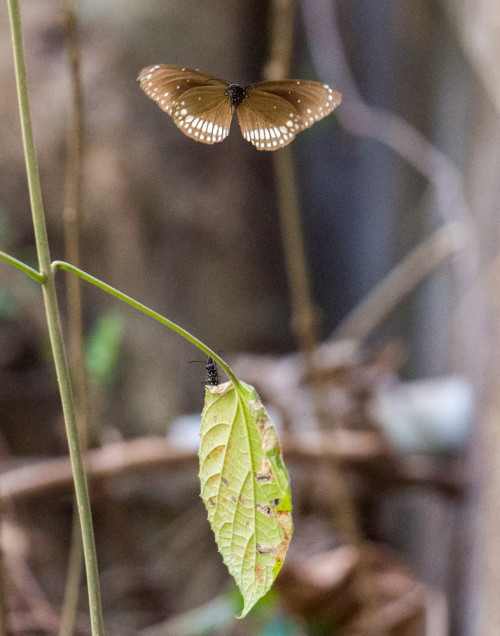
(149, 312)
(40, 278)
(54, 325)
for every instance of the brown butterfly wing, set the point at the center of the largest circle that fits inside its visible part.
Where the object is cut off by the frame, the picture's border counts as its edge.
(197, 102)
(312, 100)
(267, 121)
(164, 83)
(203, 114)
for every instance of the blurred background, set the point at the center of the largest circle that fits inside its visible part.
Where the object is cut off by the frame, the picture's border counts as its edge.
(382, 375)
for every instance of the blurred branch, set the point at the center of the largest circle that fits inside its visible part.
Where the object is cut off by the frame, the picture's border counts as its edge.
(41, 611)
(72, 209)
(280, 54)
(360, 451)
(72, 221)
(110, 461)
(304, 322)
(303, 314)
(446, 242)
(358, 118)
(477, 25)
(486, 467)
(72, 214)
(3, 578)
(278, 67)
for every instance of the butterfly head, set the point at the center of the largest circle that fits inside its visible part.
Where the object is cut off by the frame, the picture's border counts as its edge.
(236, 94)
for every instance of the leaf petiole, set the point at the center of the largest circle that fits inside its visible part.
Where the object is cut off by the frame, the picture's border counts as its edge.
(40, 278)
(146, 310)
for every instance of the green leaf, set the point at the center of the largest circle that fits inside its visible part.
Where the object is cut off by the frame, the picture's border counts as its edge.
(103, 348)
(245, 487)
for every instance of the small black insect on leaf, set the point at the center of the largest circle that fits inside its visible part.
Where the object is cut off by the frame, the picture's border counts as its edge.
(213, 378)
(270, 113)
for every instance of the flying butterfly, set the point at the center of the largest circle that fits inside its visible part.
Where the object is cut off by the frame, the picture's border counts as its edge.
(270, 113)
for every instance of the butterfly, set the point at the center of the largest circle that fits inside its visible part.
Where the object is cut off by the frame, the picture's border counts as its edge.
(270, 113)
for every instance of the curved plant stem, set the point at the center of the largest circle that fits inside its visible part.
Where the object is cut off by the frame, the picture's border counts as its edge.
(54, 325)
(149, 312)
(40, 278)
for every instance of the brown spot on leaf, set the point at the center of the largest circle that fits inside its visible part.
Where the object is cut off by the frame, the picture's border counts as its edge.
(224, 481)
(266, 549)
(266, 429)
(215, 454)
(265, 510)
(259, 573)
(264, 475)
(284, 518)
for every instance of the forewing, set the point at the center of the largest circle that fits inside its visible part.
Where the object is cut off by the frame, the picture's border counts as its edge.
(197, 102)
(267, 121)
(312, 100)
(164, 83)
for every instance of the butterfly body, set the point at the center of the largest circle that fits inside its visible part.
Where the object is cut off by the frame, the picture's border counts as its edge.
(269, 113)
(236, 94)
